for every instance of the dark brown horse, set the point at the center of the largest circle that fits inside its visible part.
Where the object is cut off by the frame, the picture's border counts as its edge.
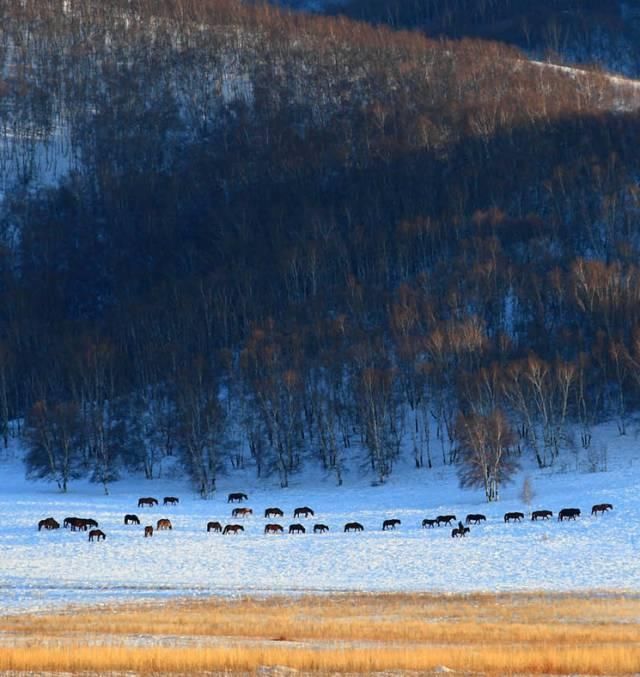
(513, 516)
(541, 515)
(48, 523)
(568, 514)
(305, 511)
(241, 512)
(601, 508)
(426, 522)
(233, 529)
(297, 529)
(273, 529)
(475, 518)
(170, 500)
(353, 526)
(214, 526)
(273, 512)
(79, 523)
(164, 524)
(147, 500)
(445, 519)
(390, 524)
(148, 531)
(237, 497)
(131, 519)
(97, 534)
(320, 528)
(85, 522)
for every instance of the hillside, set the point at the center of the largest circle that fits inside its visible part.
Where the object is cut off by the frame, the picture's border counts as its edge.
(243, 238)
(600, 32)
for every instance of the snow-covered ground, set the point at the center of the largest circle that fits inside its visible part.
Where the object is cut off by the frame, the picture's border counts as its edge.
(39, 570)
(627, 89)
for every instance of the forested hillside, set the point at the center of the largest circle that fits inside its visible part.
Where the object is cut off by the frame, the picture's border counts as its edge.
(239, 236)
(604, 33)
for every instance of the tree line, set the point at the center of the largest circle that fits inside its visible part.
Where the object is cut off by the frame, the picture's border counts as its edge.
(602, 33)
(278, 240)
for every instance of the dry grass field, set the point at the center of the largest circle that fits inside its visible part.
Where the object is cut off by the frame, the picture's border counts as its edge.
(506, 634)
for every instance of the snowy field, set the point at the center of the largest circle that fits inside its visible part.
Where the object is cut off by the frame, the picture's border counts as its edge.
(40, 570)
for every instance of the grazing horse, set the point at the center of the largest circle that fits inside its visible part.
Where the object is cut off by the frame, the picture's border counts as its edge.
(541, 514)
(214, 526)
(426, 522)
(241, 512)
(297, 529)
(131, 519)
(148, 531)
(163, 524)
(273, 529)
(170, 500)
(513, 516)
(97, 534)
(445, 519)
(390, 524)
(353, 526)
(148, 500)
(79, 523)
(48, 523)
(475, 518)
(601, 507)
(233, 529)
(568, 513)
(273, 512)
(320, 528)
(305, 511)
(237, 497)
(74, 523)
(459, 532)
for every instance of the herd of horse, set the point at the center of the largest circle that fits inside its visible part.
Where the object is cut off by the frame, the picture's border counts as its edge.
(84, 524)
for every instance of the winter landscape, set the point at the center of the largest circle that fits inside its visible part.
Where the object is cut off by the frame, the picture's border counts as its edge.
(43, 569)
(319, 337)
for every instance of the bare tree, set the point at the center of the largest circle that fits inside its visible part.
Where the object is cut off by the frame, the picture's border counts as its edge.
(54, 438)
(485, 452)
(527, 492)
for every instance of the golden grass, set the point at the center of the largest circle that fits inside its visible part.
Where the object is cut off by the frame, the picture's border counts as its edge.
(492, 634)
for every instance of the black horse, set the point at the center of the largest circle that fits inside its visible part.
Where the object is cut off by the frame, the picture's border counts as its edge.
(459, 532)
(568, 514)
(390, 524)
(513, 516)
(353, 526)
